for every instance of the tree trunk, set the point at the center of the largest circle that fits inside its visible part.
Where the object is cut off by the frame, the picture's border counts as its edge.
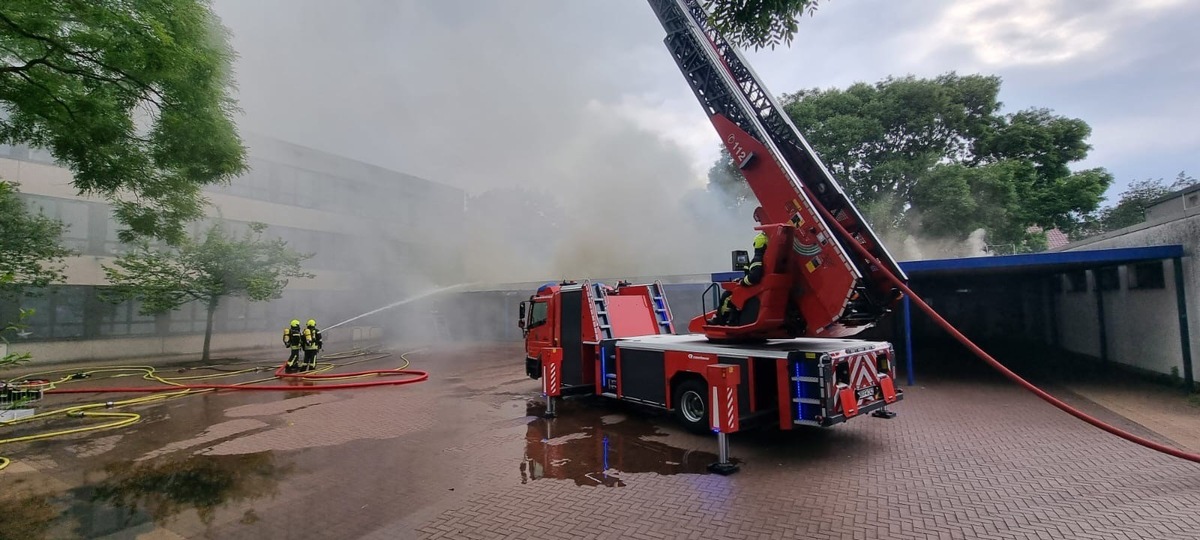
(212, 308)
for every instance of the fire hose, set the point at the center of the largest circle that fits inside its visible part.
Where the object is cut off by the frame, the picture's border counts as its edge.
(176, 389)
(862, 250)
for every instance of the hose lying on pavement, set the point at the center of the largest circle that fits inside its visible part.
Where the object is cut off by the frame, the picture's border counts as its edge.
(415, 376)
(992, 361)
(174, 389)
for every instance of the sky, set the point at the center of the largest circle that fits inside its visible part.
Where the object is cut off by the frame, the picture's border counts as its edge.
(487, 95)
(586, 152)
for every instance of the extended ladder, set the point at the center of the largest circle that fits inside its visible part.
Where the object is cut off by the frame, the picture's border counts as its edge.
(662, 313)
(599, 300)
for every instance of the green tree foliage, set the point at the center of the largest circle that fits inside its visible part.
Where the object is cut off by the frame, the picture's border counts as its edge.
(205, 269)
(31, 258)
(11, 359)
(1131, 203)
(935, 156)
(757, 23)
(725, 179)
(130, 95)
(30, 254)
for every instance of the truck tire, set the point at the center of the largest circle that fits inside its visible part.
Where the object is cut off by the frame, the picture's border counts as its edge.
(691, 406)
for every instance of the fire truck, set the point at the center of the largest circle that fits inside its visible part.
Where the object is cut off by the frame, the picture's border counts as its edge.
(788, 330)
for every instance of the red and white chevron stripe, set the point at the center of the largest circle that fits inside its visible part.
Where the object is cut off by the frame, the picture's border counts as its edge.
(729, 407)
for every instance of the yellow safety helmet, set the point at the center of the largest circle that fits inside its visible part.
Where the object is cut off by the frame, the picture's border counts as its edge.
(295, 322)
(760, 241)
(312, 322)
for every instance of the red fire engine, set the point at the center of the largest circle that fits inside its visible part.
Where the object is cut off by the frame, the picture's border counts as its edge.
(782, 353)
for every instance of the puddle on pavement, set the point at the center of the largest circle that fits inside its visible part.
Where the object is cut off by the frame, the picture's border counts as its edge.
(136, 497)
(594, 447)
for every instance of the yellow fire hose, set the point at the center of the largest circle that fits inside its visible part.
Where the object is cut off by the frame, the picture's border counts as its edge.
(149, 373)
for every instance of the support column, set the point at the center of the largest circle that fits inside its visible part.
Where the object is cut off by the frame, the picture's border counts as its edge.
(1100, 316)
(724, 416)
(1053, 308)
(551, 381)
(1185, 341)
(908, 348)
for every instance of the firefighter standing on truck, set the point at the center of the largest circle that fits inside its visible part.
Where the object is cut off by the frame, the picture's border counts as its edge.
(312, 344)
(292, 339)
(753, 274)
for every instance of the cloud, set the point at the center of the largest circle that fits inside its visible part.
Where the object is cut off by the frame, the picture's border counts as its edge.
(1016, 32)
(675, 120)
(580, 108)
(487, 95)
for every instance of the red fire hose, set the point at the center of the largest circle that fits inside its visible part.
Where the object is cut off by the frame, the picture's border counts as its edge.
(992, 361)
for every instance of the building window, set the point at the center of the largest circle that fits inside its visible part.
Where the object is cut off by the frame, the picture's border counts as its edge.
(1147, 276)
(73, 214)
(257, 316)
(190, 318)
(231, 314)
(1108, 279)
(56, 314)
(1076, 281)
(125, 319)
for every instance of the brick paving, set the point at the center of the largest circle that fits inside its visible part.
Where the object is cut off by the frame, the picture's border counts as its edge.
(463, 456)
(965, 459)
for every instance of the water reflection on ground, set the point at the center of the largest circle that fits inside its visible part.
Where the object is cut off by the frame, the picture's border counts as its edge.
(593, 447)
(137, 497)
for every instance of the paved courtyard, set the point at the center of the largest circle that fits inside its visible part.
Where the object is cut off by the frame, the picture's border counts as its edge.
(466, 455)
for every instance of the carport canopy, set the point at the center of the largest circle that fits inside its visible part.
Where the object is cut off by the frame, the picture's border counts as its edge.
(1036, 265)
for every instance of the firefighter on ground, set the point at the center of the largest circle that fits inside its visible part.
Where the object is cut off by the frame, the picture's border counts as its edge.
(293, 339)
(312, 344)
(726, 312)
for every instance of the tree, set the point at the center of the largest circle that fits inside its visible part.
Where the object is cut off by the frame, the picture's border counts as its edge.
(11, 359)
(893, 143)
(1131, 204)
(30, 254)
(725, 178)
(758, 23)
(30, 258)
(205, 269)
(130, 95)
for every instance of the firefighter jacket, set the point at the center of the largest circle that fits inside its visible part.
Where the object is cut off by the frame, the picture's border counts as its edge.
(754, 272)
(312, 338)
(292, 337)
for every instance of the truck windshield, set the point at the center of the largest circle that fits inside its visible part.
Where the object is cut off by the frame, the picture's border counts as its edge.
(537, 314)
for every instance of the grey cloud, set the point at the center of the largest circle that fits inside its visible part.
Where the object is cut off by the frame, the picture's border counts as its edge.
(493, 96)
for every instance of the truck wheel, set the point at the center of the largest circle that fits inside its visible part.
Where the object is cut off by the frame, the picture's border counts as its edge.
(691, 406)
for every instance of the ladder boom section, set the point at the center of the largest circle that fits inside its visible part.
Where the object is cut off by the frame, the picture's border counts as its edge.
(740, 106)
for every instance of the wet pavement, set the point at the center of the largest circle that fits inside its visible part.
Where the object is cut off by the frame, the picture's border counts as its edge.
(467, 455)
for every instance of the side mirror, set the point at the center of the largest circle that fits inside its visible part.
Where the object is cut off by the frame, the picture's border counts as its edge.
(741, 260)
(521, 324)
(521, 316)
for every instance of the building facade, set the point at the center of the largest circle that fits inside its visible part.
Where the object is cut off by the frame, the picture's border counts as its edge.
(1139, 301)
(375, 235)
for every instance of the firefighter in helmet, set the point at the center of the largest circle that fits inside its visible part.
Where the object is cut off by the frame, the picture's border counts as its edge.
(292, 339)
(753, 274)
(312, 344)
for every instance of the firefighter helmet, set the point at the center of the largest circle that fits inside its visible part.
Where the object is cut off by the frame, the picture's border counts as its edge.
(295, 322)
(312, 322)
(760, 241)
